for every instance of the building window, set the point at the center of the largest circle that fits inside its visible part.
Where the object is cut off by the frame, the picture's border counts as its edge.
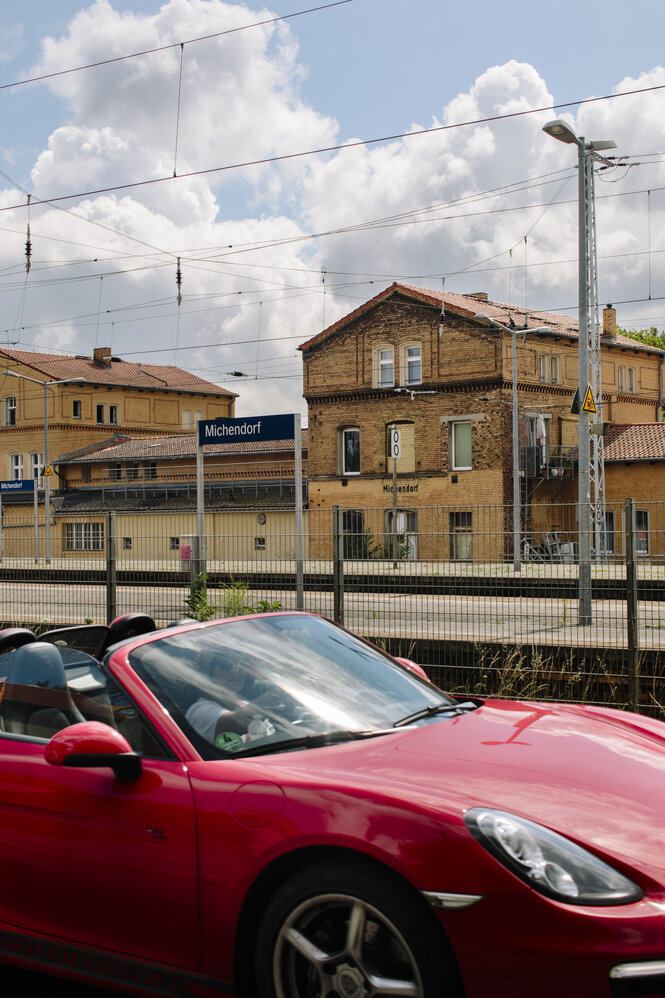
(621, 378)
(115, 472)
(150, 469)
(460, 446)
(401, 535)
(84, 536)
(9, 410)
(100, 413)
(16, 467)
(126, 544)
(461, 536)
(77, 410)
(632, 380)
(386, 368)
(259, 543)
(132, 472)
(187, 419)
(86, 474)
(608, 537)
(549, 368)
(642, 524)
(411, 364)
(37, 466)
(113, 415)
(350, 439)
(355, 543)
(174, 543)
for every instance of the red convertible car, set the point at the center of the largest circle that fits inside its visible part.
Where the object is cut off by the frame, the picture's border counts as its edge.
(271, 807)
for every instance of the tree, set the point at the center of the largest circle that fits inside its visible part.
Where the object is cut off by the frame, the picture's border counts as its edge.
(649, 336)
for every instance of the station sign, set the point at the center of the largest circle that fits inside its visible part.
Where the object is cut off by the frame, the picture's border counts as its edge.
(247, 429)
(18, 485)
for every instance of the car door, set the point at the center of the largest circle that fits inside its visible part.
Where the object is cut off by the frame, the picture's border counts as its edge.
(94, 861)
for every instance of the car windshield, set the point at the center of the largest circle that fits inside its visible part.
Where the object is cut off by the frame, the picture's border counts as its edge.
(280, 681)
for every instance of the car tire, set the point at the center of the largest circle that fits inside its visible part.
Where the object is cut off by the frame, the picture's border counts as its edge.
(341, 929)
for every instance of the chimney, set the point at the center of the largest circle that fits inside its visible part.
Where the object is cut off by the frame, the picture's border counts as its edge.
(479, 295)
(102, 355)
(610, 322)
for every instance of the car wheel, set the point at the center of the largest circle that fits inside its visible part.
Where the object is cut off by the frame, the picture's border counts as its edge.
(342, 931)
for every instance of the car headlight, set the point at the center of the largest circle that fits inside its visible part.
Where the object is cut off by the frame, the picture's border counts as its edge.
(548, 862)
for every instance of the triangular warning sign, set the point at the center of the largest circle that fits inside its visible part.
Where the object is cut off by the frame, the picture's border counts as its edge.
(589, 404)
(575, 407)
(48, 470)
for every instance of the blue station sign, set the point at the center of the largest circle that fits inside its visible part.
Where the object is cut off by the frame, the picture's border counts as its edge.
(18, 485)
(245, 429)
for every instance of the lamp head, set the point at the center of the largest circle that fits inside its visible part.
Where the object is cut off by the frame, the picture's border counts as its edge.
(558, 129)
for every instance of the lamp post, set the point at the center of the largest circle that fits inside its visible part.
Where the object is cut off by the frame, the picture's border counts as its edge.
(587, 154)
(481, 317)
(47, 484)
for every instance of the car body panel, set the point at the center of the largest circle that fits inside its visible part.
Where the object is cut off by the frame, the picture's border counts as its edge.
(144, 884)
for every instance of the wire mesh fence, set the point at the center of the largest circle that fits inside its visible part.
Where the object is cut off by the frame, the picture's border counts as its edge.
(441, 585)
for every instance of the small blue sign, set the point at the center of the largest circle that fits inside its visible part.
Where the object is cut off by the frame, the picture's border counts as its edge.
(248, 428)
(20, 485)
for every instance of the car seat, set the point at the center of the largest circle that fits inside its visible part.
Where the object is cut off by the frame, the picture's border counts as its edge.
(36, 699)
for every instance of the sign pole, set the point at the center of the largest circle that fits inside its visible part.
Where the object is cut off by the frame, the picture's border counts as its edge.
(200, 553)
(297, 452)
(36, 512)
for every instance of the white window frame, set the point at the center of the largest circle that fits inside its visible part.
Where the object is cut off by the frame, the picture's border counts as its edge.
(621, 378)
(9, 410)
(77, 409)
(542, 367)
(642, 543)
(555, 369)
(407, 362)
(82, 536)
(453, 445)
(382, 364)
(113, 415)
(16, 467)
(100, 410)
(37, 467)
(346, 430)
(632, 380)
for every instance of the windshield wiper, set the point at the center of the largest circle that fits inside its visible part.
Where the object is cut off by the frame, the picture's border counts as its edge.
(308, 741)
(433, 709)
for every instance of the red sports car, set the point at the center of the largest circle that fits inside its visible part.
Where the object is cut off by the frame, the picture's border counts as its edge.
(271, 807)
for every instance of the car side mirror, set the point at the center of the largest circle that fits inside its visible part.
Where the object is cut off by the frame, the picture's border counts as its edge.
(94, 745)
(412, 667)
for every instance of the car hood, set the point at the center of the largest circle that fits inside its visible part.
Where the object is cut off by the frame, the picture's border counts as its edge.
(594, 775)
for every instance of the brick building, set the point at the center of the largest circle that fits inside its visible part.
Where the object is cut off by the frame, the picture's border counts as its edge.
(89, 397)
(426, 364)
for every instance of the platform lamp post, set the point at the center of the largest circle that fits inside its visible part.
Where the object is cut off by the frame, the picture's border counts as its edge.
(587, 154)
(47, 483)
(517, 512)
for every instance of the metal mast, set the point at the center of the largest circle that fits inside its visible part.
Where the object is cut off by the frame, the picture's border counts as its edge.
(597, 441)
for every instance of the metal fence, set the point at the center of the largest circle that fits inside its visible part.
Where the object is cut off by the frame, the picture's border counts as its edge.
(437, 584)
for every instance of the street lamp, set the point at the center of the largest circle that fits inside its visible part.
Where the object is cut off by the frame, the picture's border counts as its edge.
(47, 481)
(587, 154)
(487, 320)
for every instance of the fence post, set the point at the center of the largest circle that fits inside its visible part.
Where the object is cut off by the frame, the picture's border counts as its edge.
(338, 565)
(632, 607)
(111, 569)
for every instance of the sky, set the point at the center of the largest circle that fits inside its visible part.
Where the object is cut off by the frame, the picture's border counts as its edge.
(180, 213)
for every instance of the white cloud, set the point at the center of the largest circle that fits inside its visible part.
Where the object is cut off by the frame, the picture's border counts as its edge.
(240, 101)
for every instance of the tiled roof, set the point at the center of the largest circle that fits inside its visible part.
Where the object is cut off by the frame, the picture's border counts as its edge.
(562, 325)
(184, 445)
(635, 442)
(57, 367)
(82, 501)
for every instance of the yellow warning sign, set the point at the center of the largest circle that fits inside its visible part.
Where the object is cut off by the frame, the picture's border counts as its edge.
(48, 470)
(589, 404)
